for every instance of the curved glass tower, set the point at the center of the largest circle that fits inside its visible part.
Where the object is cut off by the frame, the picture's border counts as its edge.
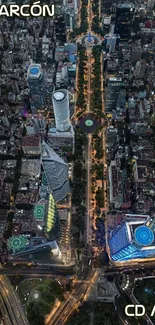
(60, 99)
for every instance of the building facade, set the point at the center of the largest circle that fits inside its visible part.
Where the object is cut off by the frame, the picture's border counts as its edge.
(133, 240)
(35, 83)
(56, 171)
(60, 100)
(113, 88)
(124, 19)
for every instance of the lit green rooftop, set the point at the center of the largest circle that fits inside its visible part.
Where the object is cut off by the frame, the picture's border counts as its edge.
(16, 243)
(39, 212)
(51, 213)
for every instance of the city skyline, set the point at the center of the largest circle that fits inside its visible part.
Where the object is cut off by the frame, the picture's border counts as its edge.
(77, 158)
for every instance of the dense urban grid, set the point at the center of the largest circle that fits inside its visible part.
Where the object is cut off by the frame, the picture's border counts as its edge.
(77, 158)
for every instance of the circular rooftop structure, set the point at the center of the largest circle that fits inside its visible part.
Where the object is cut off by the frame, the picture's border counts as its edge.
(16, 243)
(39, 212)
(59, 95)
(144, 236)
(88, 123)
(34, 70)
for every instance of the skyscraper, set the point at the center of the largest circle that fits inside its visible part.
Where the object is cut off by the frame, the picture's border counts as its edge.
(40, 86)
(136, 52)
(56, 171)
(133, 240)
(60, 100)
(52, 226)
(111, 95)
(140, 69)
(35, 82)
(124, 18)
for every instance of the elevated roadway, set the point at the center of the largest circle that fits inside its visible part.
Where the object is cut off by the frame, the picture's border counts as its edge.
(13, 313)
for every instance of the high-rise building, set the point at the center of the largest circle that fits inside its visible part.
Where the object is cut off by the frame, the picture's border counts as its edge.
(133, 240)
(111, 95)
(124, 18)
(110, 41)
(52, 225)
(40, 87)
(106, 6)
(35, 82)
(140, 69)
(60, 100)
(60, 28)
(24, 247)
(136, 52)
(56, 171)
(35, 125)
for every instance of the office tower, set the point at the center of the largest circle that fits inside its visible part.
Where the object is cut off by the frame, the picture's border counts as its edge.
(111, 94)
(60, 28)
(121, 99)
(35, 125)
(40, 87)
(140, 69)
(60, 100)
(124, 19)
(136, 52)
(23, 247)
(52, 225)
(70, 19)
(75, 5)
(35, 82)
(106, 6)
(110, 41)
(56, 171)
(133, 240)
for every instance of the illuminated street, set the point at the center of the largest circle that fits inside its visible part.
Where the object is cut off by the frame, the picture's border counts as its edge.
(77, 170)
(10, 302)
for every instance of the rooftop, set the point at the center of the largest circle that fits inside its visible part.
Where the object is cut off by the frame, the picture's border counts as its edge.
(30, 141)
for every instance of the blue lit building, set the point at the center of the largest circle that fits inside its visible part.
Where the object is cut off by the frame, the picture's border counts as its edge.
(133, 240)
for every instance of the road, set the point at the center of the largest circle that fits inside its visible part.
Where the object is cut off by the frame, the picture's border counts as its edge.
(72, 303)
(88, 192)
(38, 270)
(88, 237)
(12, 309)
(5, 312)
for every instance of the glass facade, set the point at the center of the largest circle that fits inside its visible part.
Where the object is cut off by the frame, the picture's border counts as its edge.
(52, 227)
(124, 18)
(131, 242)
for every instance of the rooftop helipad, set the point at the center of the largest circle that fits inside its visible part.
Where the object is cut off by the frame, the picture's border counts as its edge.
(144, 235)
